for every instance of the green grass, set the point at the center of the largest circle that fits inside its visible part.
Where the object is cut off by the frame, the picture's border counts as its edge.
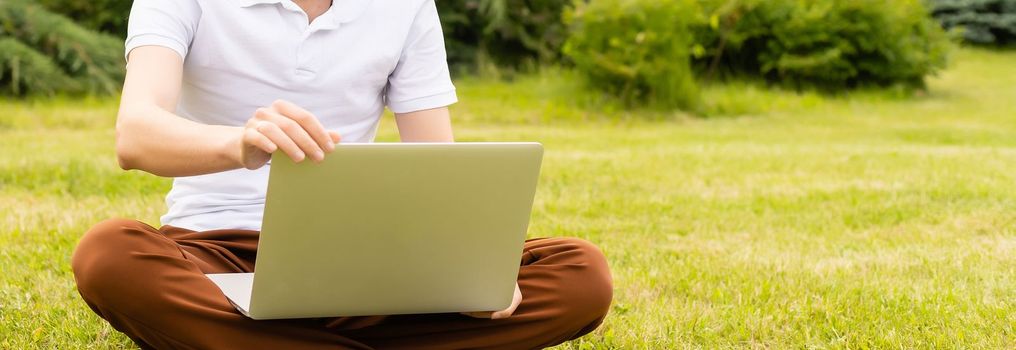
(781, 220)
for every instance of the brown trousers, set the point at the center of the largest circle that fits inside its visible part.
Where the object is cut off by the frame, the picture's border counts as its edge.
(149, 283)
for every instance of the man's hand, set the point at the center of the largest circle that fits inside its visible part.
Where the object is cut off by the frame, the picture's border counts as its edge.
(287, 127)
(497, 315)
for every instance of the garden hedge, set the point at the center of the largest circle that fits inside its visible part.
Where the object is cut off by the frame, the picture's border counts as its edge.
(826, 44)
(638, 50)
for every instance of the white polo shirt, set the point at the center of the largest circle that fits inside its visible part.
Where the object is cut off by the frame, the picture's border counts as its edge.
(239, 55)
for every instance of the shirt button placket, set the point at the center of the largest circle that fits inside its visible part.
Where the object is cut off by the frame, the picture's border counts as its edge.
(304, 57)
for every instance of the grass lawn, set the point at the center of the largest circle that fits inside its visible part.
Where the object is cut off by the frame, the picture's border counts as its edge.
(784, 220)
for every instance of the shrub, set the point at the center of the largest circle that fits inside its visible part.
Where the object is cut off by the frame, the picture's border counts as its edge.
(635, 49)
(508, 32)
(828, 44)
(107, 16)
(24, 70)
(94, 61)
(980, 21)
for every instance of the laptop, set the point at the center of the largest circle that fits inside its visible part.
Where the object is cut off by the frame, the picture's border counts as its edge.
(391, 228)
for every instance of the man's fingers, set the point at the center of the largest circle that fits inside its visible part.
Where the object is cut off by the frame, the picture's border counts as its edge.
(295, 132)
(302, 139)
(516, 300)
(335, 136)
(506, 313)
(279, 138)
(482, 314)
(307, 121)
(257, 149)
(254, 138)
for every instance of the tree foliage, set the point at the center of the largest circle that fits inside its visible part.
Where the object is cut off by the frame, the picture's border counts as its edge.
(37, 38)
(24, 70)
(508, 32)
(108, 16)
(979, 21)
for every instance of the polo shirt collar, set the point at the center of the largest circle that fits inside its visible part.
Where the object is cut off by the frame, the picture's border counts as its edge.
(342, 11)
(249, 3)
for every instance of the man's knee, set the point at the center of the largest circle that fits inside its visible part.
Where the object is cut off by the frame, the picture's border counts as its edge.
(103, 253)
(589, 290)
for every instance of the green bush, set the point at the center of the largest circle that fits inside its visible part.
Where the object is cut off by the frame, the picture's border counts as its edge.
(107, 16)
(827, 44)
(506, 32)
(93, 61)
(638, 50)
(24, 70)
(980, 21)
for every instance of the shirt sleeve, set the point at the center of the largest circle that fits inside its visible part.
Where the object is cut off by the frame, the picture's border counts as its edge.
(166, 23)
(421, 80)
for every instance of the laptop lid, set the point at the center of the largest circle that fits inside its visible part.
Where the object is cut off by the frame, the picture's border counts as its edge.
(380, 229)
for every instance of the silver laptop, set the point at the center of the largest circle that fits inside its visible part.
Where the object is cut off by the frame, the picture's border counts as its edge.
(384, 229)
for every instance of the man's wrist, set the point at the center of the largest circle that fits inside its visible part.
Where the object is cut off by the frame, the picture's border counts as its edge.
(231, 150)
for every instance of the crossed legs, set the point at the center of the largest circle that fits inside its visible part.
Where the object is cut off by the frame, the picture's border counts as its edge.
(149, 284)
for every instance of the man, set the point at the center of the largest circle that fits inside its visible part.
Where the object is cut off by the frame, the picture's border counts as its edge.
(213, 88)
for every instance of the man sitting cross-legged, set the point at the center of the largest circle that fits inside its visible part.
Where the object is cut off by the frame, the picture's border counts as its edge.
(213, 88)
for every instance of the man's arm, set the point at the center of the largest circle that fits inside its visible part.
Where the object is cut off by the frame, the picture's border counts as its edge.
(153, 139)
(432, 125)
